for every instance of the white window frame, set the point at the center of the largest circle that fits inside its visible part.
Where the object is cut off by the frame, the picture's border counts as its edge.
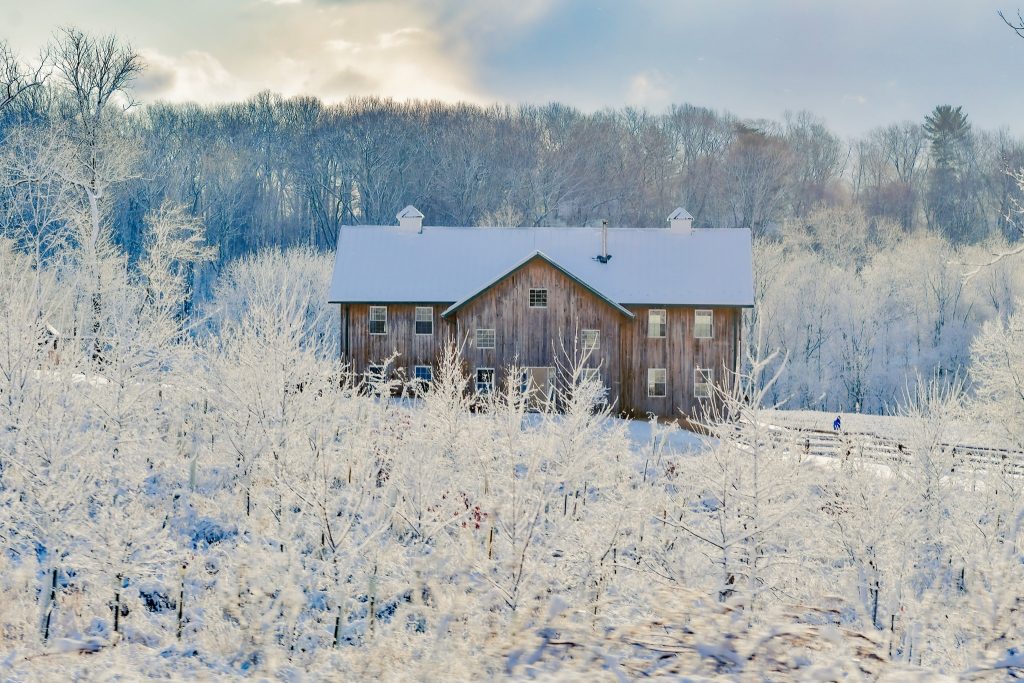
(531, 303)
(664, 323)
(488, 387)
(429, 318)
(711, 328)
(372, 320)
(703, 382)
(590, 375)
(651, 382)
(597, 340)
(430, 372)
(494, 338)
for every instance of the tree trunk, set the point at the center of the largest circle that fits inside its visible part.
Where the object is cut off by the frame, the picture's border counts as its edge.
(52, 605)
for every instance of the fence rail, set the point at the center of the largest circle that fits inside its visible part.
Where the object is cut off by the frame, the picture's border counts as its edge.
(879, 449)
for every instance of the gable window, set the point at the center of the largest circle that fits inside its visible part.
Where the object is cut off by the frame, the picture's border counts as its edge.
(702, 380)
(424, 320)
(484, 380)
(538, 298)
(485, 338)
(703, 324)
(424, 375)
(591, 340)
(657, 321)
(657, 382)
(378, 319)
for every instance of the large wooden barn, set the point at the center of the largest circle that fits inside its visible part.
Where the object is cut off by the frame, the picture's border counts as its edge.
(656, 311)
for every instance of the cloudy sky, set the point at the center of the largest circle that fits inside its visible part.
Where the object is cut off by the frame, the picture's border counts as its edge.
(857, 63)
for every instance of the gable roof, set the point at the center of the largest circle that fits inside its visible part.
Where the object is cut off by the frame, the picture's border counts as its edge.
(535, 255)
(386, 264)
(680, 214)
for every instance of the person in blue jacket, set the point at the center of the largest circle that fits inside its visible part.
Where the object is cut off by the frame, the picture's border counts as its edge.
(837, 424)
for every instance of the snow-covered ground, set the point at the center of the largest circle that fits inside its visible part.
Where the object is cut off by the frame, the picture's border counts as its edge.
(895, 427)
(674, 439)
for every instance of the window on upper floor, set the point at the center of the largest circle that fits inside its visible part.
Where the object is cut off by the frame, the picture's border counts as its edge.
(538, 298)
(424, 320)
(657, 322)
(657, 382)
(378, 319)
(703, 378)
(591, 340)
(485, 338)
(703, 324)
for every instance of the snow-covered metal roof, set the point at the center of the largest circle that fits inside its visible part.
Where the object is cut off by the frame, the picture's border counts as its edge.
(386, 264)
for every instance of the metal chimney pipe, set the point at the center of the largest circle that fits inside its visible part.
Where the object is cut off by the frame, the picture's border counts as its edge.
(604, 241)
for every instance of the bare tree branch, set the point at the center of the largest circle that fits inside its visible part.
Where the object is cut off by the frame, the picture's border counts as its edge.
(17, 78)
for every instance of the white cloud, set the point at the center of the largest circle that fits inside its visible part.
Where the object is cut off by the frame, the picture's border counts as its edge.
(649, 89)
(194, 75)
(402, 36)
(389, 48)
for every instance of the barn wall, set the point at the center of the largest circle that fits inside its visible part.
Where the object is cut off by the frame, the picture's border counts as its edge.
(541, 337)
(548, 337)
(680, 353)
(415, 349)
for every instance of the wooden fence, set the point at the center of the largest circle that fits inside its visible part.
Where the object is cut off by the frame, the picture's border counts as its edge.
(881, 449)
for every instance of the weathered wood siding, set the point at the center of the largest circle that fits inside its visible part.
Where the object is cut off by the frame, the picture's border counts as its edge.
(364, 349)
(549, 337)
(541, 337)
(680, 353)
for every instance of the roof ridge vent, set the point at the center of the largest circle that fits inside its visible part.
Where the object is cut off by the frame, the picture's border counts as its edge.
(680, 221)
(410, 219)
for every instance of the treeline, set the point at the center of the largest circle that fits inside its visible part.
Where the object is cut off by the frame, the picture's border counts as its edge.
(275, 171)
(285, 171)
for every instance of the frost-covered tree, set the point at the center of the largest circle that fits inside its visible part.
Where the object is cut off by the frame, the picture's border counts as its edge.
(997, 370)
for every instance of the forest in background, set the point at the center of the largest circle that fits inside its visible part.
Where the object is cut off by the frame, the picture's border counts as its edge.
(861, 245)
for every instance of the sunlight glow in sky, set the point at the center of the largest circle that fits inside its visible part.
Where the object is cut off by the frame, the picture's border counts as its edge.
(858, 63)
